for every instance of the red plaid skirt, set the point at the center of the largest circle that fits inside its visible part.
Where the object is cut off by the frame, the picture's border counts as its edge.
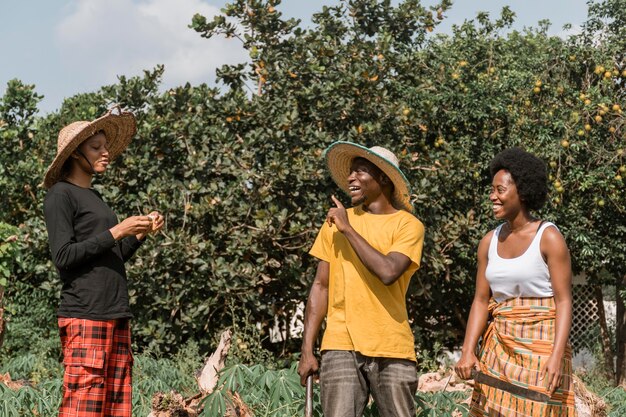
(98, 366)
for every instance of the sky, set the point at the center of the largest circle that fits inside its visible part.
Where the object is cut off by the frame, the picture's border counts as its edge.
(66, 47)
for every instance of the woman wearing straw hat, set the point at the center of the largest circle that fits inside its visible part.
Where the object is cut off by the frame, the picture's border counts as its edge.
(367, 255)
(89, 248)
(523, 282)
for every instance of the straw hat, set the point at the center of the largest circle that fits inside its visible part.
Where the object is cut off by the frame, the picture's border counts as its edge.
(118, 128)
(339, 157)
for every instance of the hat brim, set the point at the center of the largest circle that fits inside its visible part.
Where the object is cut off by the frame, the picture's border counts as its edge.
(339, 157)
(118, 129)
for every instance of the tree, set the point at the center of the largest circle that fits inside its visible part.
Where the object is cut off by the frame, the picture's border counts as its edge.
(238, 169)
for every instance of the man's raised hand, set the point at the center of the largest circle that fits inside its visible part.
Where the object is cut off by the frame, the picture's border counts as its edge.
(338, 216)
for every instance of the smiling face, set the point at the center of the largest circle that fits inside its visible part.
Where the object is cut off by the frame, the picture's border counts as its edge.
(365, 182)
(504, 196)
(94, 149)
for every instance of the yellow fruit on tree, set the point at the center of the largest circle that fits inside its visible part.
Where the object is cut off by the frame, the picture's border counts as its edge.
(622, 169)
(588, 127)
(599, 69)
(565, 143)
(607, 74)
(536, 90)
(553, 164)
(616, 107)
(581, 132)
(538, 83)
(598, 119)
(557, 184)
(612, 129)
(587, 102)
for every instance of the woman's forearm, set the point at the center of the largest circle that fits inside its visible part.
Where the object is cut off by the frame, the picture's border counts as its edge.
(563, 323)
(475, 324)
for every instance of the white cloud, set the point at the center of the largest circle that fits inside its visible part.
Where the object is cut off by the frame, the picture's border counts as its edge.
(100, 39)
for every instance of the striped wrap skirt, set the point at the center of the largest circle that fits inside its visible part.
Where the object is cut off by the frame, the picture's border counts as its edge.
(515, 345)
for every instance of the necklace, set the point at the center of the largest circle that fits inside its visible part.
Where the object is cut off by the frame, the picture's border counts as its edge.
(511, 230)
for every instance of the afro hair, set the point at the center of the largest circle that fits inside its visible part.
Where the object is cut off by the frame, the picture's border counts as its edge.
(529, 174)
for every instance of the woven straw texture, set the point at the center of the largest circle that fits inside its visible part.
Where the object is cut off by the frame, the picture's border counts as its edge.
(339, 157)
(118, 129)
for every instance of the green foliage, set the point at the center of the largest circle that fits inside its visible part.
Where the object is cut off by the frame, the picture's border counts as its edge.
(31, 402)
(267, 392)
(8, 253)
(237, 171)
(150, 375)
(278, 393)
(616, 398)
(247, 347)
(444, 404)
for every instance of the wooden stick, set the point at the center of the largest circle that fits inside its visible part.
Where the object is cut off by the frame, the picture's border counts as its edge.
(308, 400)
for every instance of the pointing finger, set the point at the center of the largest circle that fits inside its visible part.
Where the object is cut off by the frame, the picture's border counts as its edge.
(337, 202)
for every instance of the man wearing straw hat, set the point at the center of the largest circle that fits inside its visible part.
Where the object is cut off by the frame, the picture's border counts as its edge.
(89, 248)
(367, 255)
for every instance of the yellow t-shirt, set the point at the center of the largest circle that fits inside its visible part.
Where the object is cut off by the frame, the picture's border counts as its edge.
(364, 314)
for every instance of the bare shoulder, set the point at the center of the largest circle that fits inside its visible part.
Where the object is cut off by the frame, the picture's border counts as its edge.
(553, 243)
(552, 236)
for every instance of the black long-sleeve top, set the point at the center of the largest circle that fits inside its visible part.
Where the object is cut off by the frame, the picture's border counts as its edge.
(89, 260)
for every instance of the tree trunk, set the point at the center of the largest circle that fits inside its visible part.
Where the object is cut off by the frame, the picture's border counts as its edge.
(605, 338)
(620, 332)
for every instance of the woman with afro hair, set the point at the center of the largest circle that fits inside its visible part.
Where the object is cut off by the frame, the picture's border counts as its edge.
(523, 285)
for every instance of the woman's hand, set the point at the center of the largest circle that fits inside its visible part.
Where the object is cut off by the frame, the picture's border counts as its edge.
(551, 372)
(156, 223)
(465, 365)
(133, 225)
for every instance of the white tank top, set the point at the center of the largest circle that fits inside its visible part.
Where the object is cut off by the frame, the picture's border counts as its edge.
(524, 276)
